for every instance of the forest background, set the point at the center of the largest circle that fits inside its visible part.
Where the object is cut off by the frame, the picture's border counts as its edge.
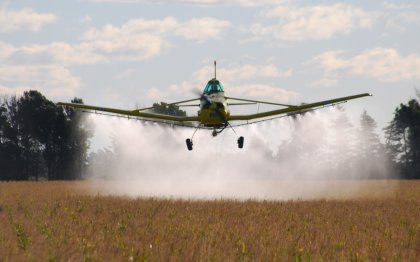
(42, 141)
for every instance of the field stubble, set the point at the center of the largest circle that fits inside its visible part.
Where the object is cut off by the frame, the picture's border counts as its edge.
(65, 221)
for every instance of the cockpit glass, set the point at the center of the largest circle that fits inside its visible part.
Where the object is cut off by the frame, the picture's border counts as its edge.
(213, 86)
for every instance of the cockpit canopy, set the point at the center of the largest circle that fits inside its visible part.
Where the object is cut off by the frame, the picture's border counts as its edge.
(213, 86)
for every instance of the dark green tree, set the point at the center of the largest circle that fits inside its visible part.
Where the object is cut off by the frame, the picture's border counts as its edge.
(39, 139)
(11, 157)
(9, 152)
(403, 139)
(80, 132)
(167, 109)
(35, 119)
(67, 143)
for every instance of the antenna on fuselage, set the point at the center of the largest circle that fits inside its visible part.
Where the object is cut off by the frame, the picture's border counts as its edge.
(214, 69)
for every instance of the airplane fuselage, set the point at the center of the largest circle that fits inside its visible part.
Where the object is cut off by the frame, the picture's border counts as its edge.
(214, 110)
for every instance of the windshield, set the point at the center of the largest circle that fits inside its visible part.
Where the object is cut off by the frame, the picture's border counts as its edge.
(213, 86)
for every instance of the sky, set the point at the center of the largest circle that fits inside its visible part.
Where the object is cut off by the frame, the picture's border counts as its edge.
(128, 53)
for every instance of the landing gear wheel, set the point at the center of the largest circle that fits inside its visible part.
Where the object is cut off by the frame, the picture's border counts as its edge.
(241, 142)
(189, 144)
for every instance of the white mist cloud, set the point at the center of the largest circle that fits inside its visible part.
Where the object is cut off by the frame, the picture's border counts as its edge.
(152, 160)
(24, 19)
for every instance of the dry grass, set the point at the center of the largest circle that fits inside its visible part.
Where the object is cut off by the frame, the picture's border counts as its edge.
(59, 221)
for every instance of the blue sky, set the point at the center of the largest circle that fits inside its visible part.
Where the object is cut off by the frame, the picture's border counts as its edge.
(123, 53)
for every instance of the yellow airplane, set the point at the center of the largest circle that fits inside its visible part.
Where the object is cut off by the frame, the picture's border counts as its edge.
(214, 111)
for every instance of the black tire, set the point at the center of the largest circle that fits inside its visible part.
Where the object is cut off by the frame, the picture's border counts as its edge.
(241, 142)
(189, 144)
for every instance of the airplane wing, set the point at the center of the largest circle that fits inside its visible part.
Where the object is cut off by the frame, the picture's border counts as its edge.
(290, 109)
(138, 113)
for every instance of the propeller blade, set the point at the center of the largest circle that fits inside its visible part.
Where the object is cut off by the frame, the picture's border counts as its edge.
(197, 92)
(206, 98)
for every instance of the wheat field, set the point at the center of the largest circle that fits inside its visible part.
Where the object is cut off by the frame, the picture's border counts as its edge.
(67, 221)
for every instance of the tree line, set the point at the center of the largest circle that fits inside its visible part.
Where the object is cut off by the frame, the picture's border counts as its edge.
(358, 151)
(40, 140)
(403, 139)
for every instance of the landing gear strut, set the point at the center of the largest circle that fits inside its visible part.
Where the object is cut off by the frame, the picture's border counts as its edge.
(240, 139)
(215, 132)
(189, 141)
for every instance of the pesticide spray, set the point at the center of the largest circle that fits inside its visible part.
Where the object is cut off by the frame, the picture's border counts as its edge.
(302, 157)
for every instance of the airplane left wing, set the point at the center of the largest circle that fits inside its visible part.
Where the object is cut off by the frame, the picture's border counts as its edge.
(294, 109)
(134, 113)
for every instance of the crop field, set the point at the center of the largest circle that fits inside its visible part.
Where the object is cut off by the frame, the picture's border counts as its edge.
(68, 221)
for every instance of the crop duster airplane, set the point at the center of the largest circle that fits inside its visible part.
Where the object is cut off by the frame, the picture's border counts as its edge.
(214, 111)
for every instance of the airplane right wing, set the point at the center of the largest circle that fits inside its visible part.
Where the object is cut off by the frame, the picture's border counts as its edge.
(294, 109)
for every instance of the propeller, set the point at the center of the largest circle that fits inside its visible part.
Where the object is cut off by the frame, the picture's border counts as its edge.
(200, 94)
(196, 91)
